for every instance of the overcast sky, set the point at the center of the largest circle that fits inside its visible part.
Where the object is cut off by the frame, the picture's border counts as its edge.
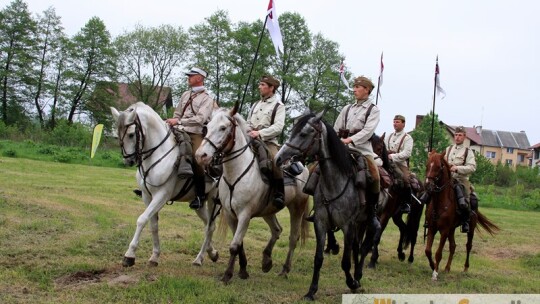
(488, 49)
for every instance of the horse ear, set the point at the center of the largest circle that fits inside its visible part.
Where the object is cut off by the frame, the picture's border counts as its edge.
(383, 135)
(131, 114)
(443, 152)
(115, 114)
(234, 110)
(319, 116)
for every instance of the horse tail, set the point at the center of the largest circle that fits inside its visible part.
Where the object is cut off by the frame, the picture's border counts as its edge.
(222, 227)
(413, 223)
(486, 223)
(304, 226)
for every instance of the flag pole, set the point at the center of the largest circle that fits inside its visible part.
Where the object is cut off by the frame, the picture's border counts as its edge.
(253, 63)
(337, 92)
(433, 110)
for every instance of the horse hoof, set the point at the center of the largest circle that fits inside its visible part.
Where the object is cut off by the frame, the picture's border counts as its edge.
(284, 272)
(411, 259)
(353, 285)
(401, 256)
(197, 263)
(371, 265)
(152, 263)
(128, 262)
(215, 257)
(309, 298)
(267, 266)
(434, 276)
(226, 278)
(244, 275)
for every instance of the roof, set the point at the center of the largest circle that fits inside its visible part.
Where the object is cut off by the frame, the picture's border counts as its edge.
(506, 139)
(492, 138)
(537, 146)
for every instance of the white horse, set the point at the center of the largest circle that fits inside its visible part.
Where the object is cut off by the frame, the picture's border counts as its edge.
(243, 193)
(147, 141)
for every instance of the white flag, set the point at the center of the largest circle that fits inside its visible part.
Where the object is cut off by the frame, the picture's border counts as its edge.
(381, 76)
(342, 76)
(272, 25)
(440, 90)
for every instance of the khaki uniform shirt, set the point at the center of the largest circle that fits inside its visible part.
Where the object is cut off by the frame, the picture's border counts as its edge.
(356, 120)
(197, 113)
(260, 118)
(456, 158)
(392, 144)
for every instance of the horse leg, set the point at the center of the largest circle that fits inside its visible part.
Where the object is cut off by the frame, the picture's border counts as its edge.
(356, 254)
(233, 224)
(470, 237)
(154, 259)
(376, 240)
(429, 246)
(438, 254)
(205, 215)
(242, 260)
(151, 209)
(452, 247)
(346, 259)
(332, 245)
(275, 230)
(296, 219)
(398, 220)
(236, 248)
(320, 235)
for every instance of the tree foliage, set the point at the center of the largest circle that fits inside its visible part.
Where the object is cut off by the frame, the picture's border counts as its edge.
(421, 136)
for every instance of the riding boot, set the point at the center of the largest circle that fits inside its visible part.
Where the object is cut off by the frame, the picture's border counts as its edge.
(279, 200)
(405, 206)
(313, 180)
(137, 192)
(474, 201)
(200, 190)
(184, 167)
(464, 208)
(372, 199)
(425, 198)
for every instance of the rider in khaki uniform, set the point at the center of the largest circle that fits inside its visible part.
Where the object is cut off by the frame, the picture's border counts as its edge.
(462, 162)
(355, 125)
(191, 115)
(399, 145)
(266, 121)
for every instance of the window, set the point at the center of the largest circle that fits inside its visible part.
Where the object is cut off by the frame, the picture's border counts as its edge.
(509, 162)
(490, 154)
(521, 158)
(536, 154)
(510, 150)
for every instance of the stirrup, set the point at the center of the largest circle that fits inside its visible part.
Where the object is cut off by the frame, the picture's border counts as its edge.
(465, 228)
(279, 202)
(196, 204)
(405, 208)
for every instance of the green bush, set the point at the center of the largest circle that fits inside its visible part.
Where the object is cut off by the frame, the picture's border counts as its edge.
(485, 170)
(504, 176)
(46, 150)
(65, 134)
(63, 157)
(10, 153)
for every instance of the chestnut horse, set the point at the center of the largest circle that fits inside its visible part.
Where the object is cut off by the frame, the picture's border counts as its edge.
(441, 214)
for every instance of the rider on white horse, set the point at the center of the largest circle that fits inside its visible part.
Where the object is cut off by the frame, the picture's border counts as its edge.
(266, 121)
(191, 115)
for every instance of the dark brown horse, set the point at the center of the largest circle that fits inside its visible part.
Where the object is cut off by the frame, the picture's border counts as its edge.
(441, 214)
(390, 209)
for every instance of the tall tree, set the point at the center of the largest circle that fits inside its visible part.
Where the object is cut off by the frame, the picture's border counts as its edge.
(321, 78)
(49, 36)
(210, 46)
(17, 44)
(149, 59)
(291, 66)
(245, 39)
(421, 135)
(91, 60)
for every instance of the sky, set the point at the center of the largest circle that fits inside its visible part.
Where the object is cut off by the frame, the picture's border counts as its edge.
(488, 49)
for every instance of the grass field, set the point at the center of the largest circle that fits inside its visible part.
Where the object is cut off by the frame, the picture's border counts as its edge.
(64, 229)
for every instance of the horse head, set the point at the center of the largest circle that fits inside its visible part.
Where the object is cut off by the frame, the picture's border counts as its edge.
(305, 139)
(379, 148)
(437, 172)
(221, 135)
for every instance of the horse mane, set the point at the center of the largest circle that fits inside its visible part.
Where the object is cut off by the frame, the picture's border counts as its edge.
(242, 123)
(338, 151)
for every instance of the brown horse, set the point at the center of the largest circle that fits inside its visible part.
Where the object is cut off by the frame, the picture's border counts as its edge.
(441, 214)
(408, 231)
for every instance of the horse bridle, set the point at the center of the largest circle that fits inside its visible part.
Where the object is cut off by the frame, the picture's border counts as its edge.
(226, 147)
(435, 181)
(315, 139)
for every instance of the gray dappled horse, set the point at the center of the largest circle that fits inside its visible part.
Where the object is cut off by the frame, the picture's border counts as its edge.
(245, 195)
(337, 200)
(147, 141)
